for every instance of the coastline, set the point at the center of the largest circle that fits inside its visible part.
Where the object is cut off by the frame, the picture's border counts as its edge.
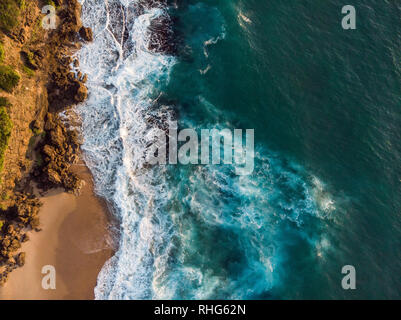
(74, 239)
(52, 183)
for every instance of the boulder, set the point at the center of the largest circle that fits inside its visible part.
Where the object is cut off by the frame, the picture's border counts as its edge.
(14, 246)
(36, 126)
(53, 176)
(57, 136)
(25, 238)
(20, 259)
(82, 93)
(86, 33)
(50, 152)
(50, 123)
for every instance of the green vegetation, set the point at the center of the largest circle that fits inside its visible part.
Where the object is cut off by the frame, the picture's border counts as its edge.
(28, 71)
(10, 11)
(50, 3)
(5, 196)
(21, 4)
(29, 59)
(4, 102)
(37, 132)
(36, 31)
(39, 160)
(1, 52)
(9, 78)
(5, 133)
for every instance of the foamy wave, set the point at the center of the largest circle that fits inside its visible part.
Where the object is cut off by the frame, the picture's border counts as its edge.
(123, 77)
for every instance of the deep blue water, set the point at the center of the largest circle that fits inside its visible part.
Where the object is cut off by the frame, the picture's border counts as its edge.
(325, 106)
(327, 99)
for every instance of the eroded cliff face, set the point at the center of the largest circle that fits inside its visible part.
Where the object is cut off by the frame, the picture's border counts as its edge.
(40, 148)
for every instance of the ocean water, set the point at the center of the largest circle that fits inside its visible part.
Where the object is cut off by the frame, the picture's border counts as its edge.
(324, 103)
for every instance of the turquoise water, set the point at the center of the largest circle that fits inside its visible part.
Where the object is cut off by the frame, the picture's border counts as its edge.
(326, 98)
(325, 191)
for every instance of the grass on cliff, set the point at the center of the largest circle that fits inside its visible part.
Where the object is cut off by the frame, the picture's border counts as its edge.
(10, 11)
(28, 71)
(4, 102)
(1, 52)
(9, 78)
(5, 133)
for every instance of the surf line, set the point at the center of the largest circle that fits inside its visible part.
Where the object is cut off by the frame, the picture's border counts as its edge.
(188, 153)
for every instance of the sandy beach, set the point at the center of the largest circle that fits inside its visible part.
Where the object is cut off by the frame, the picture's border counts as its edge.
(74, 239)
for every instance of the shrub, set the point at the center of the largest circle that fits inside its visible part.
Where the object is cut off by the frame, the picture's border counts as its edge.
(5, 133)
(28, 58)
(50, 3)
(21, 4)
(1, 52)
(9, 78)
(10, 10)
(29, 72)
(39, 160)
(4, 102)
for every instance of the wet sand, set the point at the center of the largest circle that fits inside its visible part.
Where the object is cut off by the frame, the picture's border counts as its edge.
(75, 239)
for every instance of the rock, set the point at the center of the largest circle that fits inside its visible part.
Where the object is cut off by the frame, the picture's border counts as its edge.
(10, 229)
(86, 34)
(6, 243)
(32, 59)
(50, 152)
(59, 150)
(82, 93)
(54, 177)
(57, 136)
(3, 278)
(6, 253)
(14, 246)
(50, 124)
(34, 223)
(21, 259)
(2, 269)
(25, 238)
(36, 126)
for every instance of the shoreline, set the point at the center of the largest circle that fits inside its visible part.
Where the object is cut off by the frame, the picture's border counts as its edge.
(73, 231)
(75, 239)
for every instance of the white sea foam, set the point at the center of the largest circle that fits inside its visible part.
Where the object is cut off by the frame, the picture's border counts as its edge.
(122, 81)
